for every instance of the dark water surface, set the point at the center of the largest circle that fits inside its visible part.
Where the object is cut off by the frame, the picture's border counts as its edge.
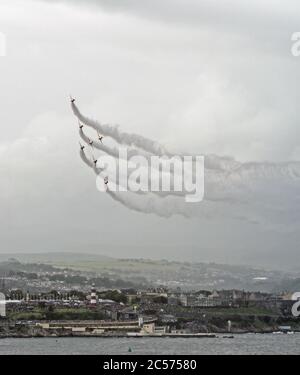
(240, 344)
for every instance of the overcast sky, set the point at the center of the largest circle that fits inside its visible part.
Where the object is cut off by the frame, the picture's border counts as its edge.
(204, 76)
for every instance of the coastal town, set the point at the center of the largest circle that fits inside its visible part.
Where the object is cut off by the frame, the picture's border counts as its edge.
(42, 300)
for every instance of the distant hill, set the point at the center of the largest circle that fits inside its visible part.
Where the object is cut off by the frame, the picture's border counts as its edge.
(167, 273)
(55, 258)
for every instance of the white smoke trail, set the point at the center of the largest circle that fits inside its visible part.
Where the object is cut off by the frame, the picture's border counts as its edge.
(114, 151)
(249, 189)
(234, 170)
(123, 138)
(116, 179)
(115, 155)
(163, 208)
(218, 187)
(90, 163)
(147, 146)
(168, 208)
(103, 172)
(172, 206)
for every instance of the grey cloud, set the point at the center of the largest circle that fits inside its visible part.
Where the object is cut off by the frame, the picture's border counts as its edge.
(204, 76)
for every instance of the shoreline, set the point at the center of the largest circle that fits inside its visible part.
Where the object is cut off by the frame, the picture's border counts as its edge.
(158, 336)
